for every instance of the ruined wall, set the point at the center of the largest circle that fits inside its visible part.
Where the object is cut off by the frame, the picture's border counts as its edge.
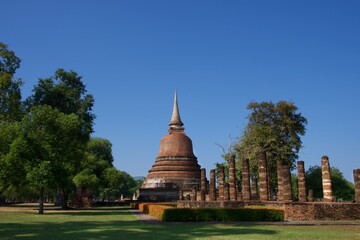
(321, 211)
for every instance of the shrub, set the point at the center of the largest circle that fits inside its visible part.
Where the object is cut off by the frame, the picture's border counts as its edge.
(157, 210)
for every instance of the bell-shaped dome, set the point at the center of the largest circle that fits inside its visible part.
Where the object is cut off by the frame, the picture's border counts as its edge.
(176, 144)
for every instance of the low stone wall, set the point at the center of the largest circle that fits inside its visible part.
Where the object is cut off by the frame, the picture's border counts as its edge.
(321, 211)
(210, 204)
(294, 211)
(158, 195)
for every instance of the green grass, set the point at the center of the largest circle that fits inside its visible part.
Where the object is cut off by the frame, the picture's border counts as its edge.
(119, 223)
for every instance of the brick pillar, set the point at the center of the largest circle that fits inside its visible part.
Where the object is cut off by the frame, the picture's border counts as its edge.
(326, 179)
(264, 194)
(357, 185)
(254, 189)
(226, 192)
(203, 184)
(279, 171)
(301, 181)
(311, 195)
(232, 179)
(287, 185)
(245, 180)
(212, 187)
(221, 176)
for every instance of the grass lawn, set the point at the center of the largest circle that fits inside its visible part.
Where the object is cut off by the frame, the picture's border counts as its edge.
(119, 223)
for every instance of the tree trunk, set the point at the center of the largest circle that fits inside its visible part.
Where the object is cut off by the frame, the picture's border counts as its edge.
(59, 199)
(41, 201)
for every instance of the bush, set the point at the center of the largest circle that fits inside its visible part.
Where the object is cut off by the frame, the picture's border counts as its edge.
(158, 210)
(143, 207)
(221, 214)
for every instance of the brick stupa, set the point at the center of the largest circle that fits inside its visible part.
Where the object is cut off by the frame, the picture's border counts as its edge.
(176, 170)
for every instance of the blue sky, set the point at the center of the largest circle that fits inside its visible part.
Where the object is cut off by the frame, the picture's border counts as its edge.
(218, 55)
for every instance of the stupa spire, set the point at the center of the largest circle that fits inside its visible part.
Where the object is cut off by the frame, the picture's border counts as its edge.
(175, 122)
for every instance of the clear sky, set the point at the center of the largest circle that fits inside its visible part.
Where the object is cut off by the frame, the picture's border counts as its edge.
(218, 55)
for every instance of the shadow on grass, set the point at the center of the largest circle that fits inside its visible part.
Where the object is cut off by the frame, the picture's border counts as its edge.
(101, 225)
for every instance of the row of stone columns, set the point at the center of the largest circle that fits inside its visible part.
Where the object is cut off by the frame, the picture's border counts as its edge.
(228, 191)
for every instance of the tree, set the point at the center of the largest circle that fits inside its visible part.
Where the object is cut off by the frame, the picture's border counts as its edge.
(10, 93)
(66, 92)
(341, 188)
(117, 183)
(47, 151)
(98, 158)
(274, 129)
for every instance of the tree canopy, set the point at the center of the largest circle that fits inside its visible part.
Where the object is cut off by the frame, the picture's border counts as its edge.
(66, 92)
(274, 129)
(10, 92)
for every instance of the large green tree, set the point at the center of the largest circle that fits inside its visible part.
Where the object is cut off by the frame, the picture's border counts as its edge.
(273, 128)
(342, 189)
(10, 92)
(66, 92)
(46, 153)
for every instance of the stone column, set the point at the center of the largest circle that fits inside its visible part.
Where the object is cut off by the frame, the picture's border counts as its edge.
(254, 189)
(203, 184)
(221, 176)
(245, 180)
(279, 171)
(226, 192)
(326, 179)
(357, 185)
(212, 187)
(287, 185)
(311, 195)
(232, 179)
(264, 194)
(301, 181)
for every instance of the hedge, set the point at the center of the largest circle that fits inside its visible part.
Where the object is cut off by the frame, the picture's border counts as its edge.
(221, 214)
(154, 209)
(158, 210)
